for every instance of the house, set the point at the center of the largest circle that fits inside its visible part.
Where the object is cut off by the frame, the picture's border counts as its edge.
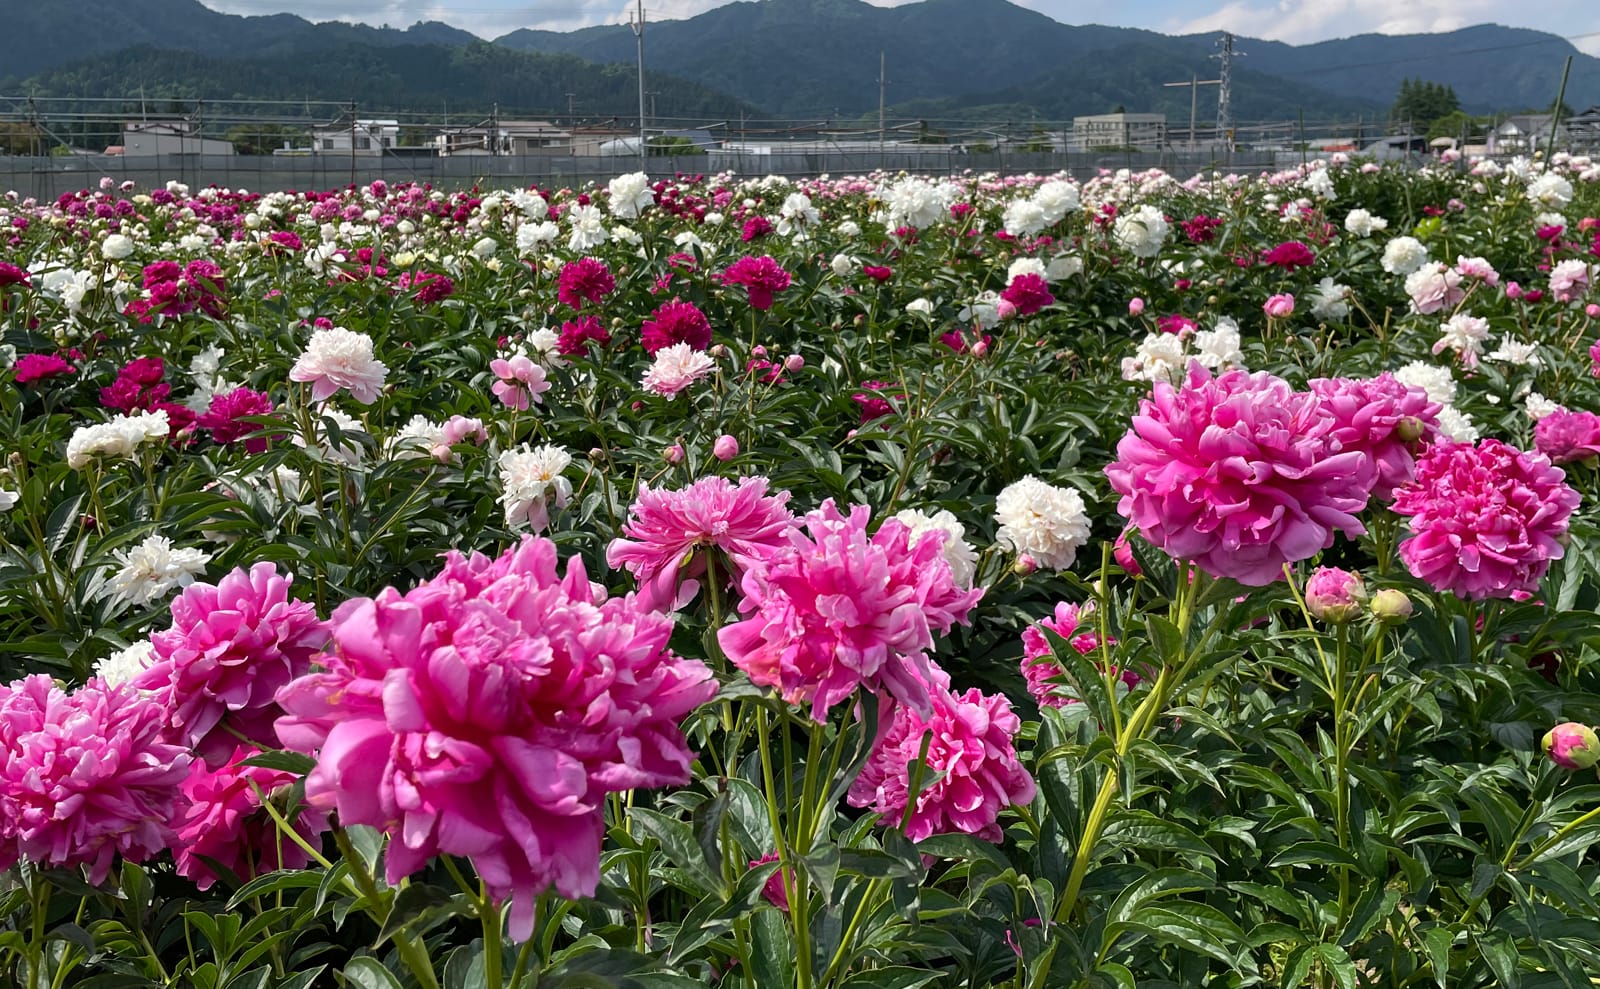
(1139, 131)
(505, 137)
(357, 137)
(1523, 133)
(1583, 130)
(176, 136)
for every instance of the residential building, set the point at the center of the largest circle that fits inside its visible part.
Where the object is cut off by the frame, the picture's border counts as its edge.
(506, 137)
(1523, 133)
(1136, 131)
(361, 138)
(1583, 130)
(150, 138)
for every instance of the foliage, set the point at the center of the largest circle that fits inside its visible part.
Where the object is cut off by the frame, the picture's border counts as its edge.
(1419, 105)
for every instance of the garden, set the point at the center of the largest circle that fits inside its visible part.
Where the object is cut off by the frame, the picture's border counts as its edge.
(875, 582)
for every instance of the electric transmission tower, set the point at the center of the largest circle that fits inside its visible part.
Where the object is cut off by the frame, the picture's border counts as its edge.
(1225, 92)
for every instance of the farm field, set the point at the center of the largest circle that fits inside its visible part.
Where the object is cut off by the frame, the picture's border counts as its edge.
(869, 581)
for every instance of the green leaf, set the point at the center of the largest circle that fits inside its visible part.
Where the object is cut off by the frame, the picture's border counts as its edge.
(771, 948)
(367, 972)
(1375, 906)
(1337, 962)
(677, 840)
(421, 904)
(890, 978)
(288, 762)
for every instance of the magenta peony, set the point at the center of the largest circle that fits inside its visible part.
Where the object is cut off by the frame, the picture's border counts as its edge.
(675, 322)
(1040, 667)
(1382, 418)
(38, 367)
(972, 771)
(761, 276)
(1289, 255)
(1335, 596)
(1029, 293)
(668, 530)
(837, 609)
(488, 712)
(584, 280)
(1238, 473)
(223, 418)
(576, 335)
(1571, 745)
(229, 650)
(1565, 436)
(1486, 519)
(222, 820)
(84, 776)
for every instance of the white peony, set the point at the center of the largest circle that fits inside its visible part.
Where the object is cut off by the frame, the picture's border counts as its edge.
(1044, 521)
(1363, 224)
(530, 479)
(630, 195)
(963, 559)
(1328, 300)
(125, 664)
(116, 247)
(1436, 381)
(152, 568)
(1142, 232)
(1403, 255)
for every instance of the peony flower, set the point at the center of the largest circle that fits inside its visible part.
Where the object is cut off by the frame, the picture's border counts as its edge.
(1029, 293)
(39, 367)
(1289, 255)
(958, 553)
(1404, 255)
(520, 380)
(338, 358)
(761, 276)
(230, 647)
(121, 437)
(222, 820)
(773, 889)
(223, 417)
(1335, 596)
(1141, 232)
(1433, 286)
(1565, 436)
(487, 713)
(1382, 418)
(152, 568)
(669, 534)
(1238, 473)
(630, 195)
(971, 772)
(837, 609)
(529, 480)
(1391, 606)
(1362, 223)
(584, 280)
(85, 776)
(1486, 519)
(1464, 334)
(124, 665)
(725, 448)
(1569, 280)
(575, 336)
(1572, 745)
(1046, 522)
(1279, 306)
(1040, 666)
(675, 322)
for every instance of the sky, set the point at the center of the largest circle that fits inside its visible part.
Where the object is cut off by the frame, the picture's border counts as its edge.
(1294, 21)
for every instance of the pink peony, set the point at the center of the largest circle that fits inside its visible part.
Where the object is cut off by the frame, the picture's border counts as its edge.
(1486, 520)
(972, 772)
(1279, 306)
(584, 280)
(675, 322)
(488, 712)
(338, 358)
(1289, 255)
(669, 534)
(458, 429)
(520, 380)
(231, 646)
(773, 889)
(222, 820)
(38, 367)
(1568, 436)
(85, 776)
(1571, 745)
(876, 406)
(1433, 287)
(1382, 418)
(1028, 293)
(1238, 473)
(576, 334)
(761, 276)
(837, 609)
(1335, 596)
(1042, 670)
(725, 448)
(223, 417)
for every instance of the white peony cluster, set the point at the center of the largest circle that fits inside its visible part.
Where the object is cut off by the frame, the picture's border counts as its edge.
(917, 202)
(151, 569)
(1538, 406)
(1329, 300)
(531, 236)
(985, 310)
(630, 195)
(121, 437)
(1437, 381)
(1403, 255)
(588, 229)
(125, 664)
(1464, 334)
(1551, 189)
(1512, 350)
(1361, 223)
(1023, 218)
(1319, 183)
(530, 480)
(963, 559)
(1142, 232)
(1063, 266)
(1046, 522)
(1166, 356)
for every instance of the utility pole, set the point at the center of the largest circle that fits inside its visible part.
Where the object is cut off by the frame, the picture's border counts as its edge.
(636, 21)
(1225, 93)
(1194, 84)
(570, 113)
(883, 82)
(494, 129)
(352, 142)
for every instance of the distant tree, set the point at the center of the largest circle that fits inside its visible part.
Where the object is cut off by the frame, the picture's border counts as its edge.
(19, 138)
(671, 145)
(1453, 125)
(1119, 108)
(1419, 104)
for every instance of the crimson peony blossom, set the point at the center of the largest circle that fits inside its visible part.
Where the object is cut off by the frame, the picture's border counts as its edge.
(876, 406)
(576, 334)
(224, 417)
(38, 367)
(1565, 436)
(1239, 474)
(838, 609)
(761, 276)
(85, 776)
(972, 772)
(231, 647)
(675, 322)
(1383, 418)
(1486, 519)
(1029, 293)
(1289, 255)
(222, 820)
(1040, 667)
(488, 712)
(666, 530)
(584, 280)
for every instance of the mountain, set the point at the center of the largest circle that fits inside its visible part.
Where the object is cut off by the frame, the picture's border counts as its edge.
(43, 34)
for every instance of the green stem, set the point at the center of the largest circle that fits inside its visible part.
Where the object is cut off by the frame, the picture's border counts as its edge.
(786, 863)
(492, 924)
(415, 957)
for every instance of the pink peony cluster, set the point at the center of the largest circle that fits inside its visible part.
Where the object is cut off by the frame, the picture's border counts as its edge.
(39, 367)
(669, 533)
(171, 290)
(1040, 667)
(584, 280)
(85, 776)
(488, 712)
(222, 820)
(230, 648)
(838, 608)
(1238, 473)
(675, 322)
(1486, 519)
(972, 771)
(224, 417)
(1029, 293)
(576, 335)
(1566, 437)
(1382, 418)
(761, 276)
(519, 380)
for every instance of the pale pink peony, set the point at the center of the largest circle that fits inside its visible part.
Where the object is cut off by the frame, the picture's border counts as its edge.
(971, 774)
(520, 380)
(676, 368)
(1433, 287)
(230, 648)
(1040, 667)
(1382, 418)
(1239, 474)
(1486, 519)
(669, 534)
(838, 609)
(488, 712)
(1565, 436)
(458, 429)
(85, 776)
(222, 820)
(1279, 306)
(338, 358)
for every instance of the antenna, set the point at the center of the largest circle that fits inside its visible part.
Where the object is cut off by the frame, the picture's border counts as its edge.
(883, 82)
(1225, 95)
(636, 21)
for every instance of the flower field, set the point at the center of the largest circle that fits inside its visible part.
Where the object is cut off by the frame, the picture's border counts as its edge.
(865, 582)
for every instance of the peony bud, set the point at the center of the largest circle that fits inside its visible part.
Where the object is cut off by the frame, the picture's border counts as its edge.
(1122, 552)
(1025, 565)
(1592, 310)
(1279, 306)
(1135, 306)
(673, 454)
(1572, 746)
(1335, 596)
(793, 362)
(1513, 290)
(725, 448)
(1391, 606)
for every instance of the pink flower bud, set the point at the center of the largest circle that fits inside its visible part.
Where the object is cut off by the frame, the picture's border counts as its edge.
(1592, 310)
(1025, 565)
(1391, 606)
(793, 362)
(1279, 306)
(1122, 552)
(981, 348)
(725, 448)
(758, 351)
(1335, 596)
(1005, 309)
(1135, 306)
(1572, 746)
(1513, 290)
(673, 454)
